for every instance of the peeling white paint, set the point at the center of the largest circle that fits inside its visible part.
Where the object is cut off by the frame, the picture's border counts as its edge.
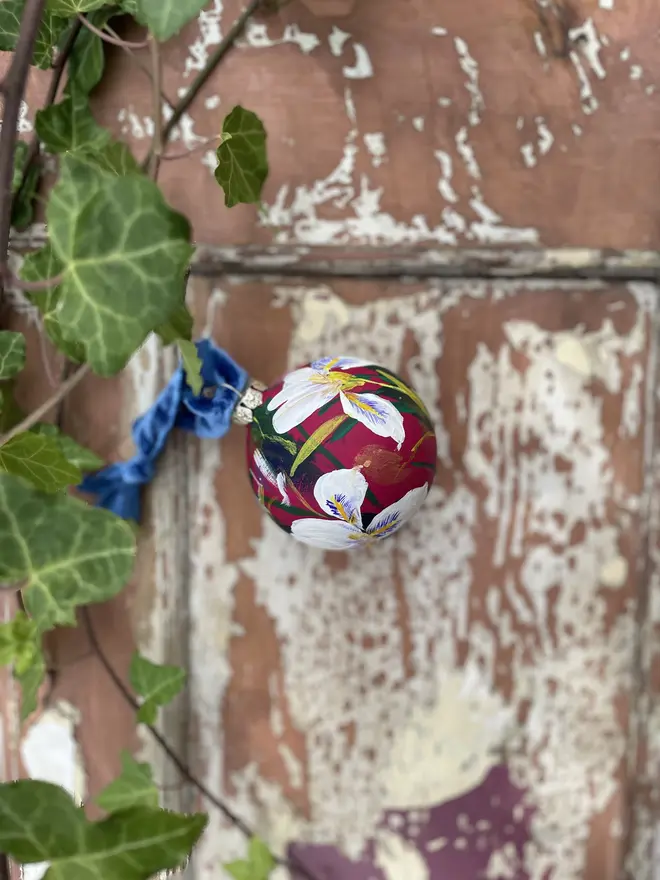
(471, 69)
(418, 123)
(398, 859)
(337, 40)
(375, 144)
(445, 187)
(363, 68)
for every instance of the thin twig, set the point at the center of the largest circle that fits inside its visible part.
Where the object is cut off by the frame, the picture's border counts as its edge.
(293, 864)
(108, 38)
(33, 286)
(143, 67)
(13, 88)
(53, 88)
(203, 76)
(183, 154)
(157, 79)
(59, 394)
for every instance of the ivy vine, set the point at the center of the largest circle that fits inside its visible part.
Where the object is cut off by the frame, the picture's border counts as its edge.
(112, 272)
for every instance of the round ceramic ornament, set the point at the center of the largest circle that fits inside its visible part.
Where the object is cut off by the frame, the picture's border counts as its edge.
(341, 453)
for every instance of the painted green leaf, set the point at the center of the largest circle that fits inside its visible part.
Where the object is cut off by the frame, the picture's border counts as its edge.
(157, 685)
(70, 126)
(40, 266)
(316, 439)
(179, 325)
(288, 444)
(87, 58)
(343, 430)
(63, 552)
(47, 35)
(75, 454)
(259, 864)
(39, 460)
(404, 389)
(165, 18)
(69, 8)
(124, 252)
(12, 354)
(192, 365)
(133, 788)
(40, 822)
(242, 161)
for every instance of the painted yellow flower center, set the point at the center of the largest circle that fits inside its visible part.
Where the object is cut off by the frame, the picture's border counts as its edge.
(338, 379)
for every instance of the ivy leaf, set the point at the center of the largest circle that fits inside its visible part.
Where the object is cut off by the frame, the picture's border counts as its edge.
(158, 685)
(242, 161)
(259, 864)
(69, 8)
(10, 412)
(87, 58)
(20, 645)
(39, 460)
(113, 158)
(70, 126)
(40, 266)
(179, 325)
(192, 365)
(75, 454)
(124, 252)
(63, 552)
(165, 18)
(20, 155)
(12, 354)
(40, 822)
(133, 788)
(22, 209)
(48, 34)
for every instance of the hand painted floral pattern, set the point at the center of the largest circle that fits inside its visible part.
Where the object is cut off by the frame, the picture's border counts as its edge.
(306, 390)
(340, 495)
(335, 473)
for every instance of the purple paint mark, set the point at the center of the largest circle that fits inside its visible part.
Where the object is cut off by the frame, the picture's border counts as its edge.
(456, 839)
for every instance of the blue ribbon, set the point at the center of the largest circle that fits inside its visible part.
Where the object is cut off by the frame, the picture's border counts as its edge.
(207, 415)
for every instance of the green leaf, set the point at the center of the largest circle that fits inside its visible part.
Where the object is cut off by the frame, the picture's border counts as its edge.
(165, 18)
(87, 59)
(39, 822)
(48, 34)
(192, 365)
(20, 155)
(12, 354)
(242, 161)
(70, 126)
(10, 412)
(158, 685)
(133, 788)
(22, 211)
(317, 439)
(64, 552)
(74, 453)
(113, 158)
(179, 325)
(20, 645)
(125, 253)
(259, 864)
(39, 460)
(69, 8)
(40, 266)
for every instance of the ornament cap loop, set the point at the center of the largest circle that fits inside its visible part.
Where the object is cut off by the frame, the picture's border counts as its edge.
(252, 397)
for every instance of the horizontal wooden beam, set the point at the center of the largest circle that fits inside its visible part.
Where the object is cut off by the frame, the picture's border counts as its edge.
(402, 263)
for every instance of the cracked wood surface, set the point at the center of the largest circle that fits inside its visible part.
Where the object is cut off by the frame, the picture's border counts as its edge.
(475, 699)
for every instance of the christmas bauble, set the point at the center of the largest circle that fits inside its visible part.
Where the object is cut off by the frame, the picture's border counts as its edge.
(341, 453)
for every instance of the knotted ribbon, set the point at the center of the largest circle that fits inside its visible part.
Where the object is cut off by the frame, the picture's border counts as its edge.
(206, 415)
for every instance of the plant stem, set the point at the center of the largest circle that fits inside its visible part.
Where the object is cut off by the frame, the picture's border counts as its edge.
(51, 95)
(204, 75)
(157, 79)
(13, 88)
(178, 762)
(143, 67)
(108, 38)
(33, 286)
(59, 394)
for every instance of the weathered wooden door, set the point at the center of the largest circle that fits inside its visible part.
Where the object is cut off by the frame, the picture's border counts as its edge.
(474, 699)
